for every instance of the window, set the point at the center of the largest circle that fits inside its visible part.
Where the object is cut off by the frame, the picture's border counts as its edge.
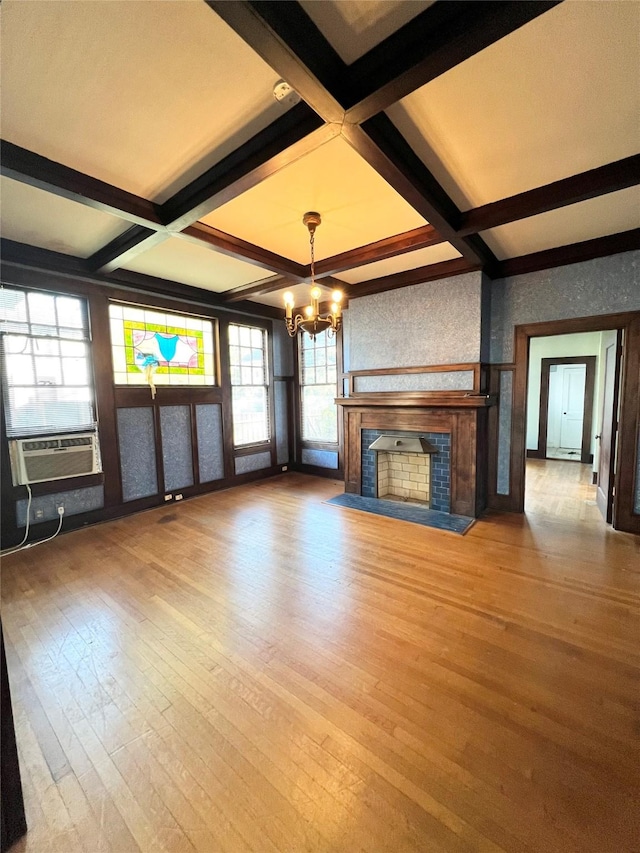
(319, 416)
(46, 363)
(179, 347)
(249, 385)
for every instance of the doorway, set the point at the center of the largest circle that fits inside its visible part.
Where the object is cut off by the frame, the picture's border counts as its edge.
(566, 406)
(622, 457)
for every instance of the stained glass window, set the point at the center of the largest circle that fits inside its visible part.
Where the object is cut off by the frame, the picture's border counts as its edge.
(178, 347)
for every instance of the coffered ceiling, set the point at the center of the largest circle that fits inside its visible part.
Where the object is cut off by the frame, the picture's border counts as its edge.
(142, 142)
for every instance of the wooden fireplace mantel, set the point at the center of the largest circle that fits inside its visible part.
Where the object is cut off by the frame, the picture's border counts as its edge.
(463, 417)
(421, 401)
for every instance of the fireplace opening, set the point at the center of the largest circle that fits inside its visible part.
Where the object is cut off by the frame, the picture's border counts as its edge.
(403, 468)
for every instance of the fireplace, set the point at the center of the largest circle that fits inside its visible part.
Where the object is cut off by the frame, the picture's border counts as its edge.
(416, 471)
(455, 428)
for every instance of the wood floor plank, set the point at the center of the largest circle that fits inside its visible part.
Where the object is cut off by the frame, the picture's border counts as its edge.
(257, 670)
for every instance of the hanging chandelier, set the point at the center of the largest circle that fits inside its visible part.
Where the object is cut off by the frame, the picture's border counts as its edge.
(312, 321)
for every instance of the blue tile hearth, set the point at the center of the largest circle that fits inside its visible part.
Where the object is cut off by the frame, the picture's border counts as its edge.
(405, 512)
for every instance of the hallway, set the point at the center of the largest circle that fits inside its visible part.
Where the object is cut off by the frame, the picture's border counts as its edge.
(561, 491)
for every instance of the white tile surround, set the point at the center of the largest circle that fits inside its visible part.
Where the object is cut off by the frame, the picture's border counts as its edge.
(404, 475)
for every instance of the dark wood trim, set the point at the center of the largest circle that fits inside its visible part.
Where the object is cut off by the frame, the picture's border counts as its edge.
(317, 471)
(13, 823)
(590, 363)
(629, 423)
(32, 169)
(299, 131)
(625, 516)
(390, 247)
(289, 42)
(131, 396)
(420, 275)
(125, 247)
(575, 253)
(432, 43)
(535, 454)
(19, 493)
(473, 366)
(605, 179)
(233, 247)
(257, 288)
(27, 266)
(382, 146)
(421, 400)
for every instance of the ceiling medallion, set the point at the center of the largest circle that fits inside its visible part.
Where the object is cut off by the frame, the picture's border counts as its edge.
(312, 322)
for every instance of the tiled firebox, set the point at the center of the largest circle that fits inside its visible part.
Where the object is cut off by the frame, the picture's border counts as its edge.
(440, 465)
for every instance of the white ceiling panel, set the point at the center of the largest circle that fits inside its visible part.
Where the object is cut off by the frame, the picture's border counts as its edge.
(401, 263)
(557, 97)
(357, 206)
(608, 214)
(353, 28)
(143, 95)
(186, 262)
(38, 218)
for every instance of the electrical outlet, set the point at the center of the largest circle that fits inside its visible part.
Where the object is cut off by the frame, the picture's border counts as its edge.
(39, 513)
(168, 497)
(178, 497)
(60, 510)
(285, 468)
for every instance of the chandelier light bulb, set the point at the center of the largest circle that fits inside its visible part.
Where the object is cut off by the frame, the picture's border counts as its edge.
(309, 311)
(289, 298)
(316, 293)
(336, 296)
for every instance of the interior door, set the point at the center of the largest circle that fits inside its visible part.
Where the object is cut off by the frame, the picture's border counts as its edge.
(572, 413)
(608, 427)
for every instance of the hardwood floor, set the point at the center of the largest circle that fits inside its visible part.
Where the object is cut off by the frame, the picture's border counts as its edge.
(561, 490)
(257, 670)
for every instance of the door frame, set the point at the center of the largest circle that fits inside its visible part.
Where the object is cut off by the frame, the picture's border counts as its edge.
(587, 413)
(625, 516)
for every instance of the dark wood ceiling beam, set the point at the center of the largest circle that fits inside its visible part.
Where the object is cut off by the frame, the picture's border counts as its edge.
(234, 247)
(605, 179)
(390, 247)
(258, 288)
(290, 43)
(29, 168)
(432, 272)
(600, 247)
(382, 146)
(19, 260)
(296, 133)
(441, 37)
(124, 248)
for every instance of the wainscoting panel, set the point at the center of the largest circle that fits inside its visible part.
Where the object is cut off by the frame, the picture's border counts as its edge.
(136, 441)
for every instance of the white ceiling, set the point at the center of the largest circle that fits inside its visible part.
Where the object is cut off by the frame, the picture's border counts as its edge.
(148, 95)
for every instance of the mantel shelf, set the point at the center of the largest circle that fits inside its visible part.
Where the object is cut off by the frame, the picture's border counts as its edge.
(419, 401)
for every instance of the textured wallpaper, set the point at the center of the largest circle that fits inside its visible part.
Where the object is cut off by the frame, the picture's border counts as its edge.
(459, 380)
(436, 322)
(282, 350)
(601, 286)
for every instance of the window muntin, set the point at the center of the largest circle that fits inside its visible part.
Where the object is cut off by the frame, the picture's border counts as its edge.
(46, 363)
(318, 378)
(180, 346)
(249, 385)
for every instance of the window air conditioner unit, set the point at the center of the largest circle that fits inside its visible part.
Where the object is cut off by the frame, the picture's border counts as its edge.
(45, 458)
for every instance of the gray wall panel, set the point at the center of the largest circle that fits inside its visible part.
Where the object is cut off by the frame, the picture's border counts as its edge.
(436, 322)
(175, 427)
(601, 286)
(282, 425)
(210, 448)
(319, 458)
(74, 502)
(454, 381)
(504, 432)
(255, 462)
(136, 437)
